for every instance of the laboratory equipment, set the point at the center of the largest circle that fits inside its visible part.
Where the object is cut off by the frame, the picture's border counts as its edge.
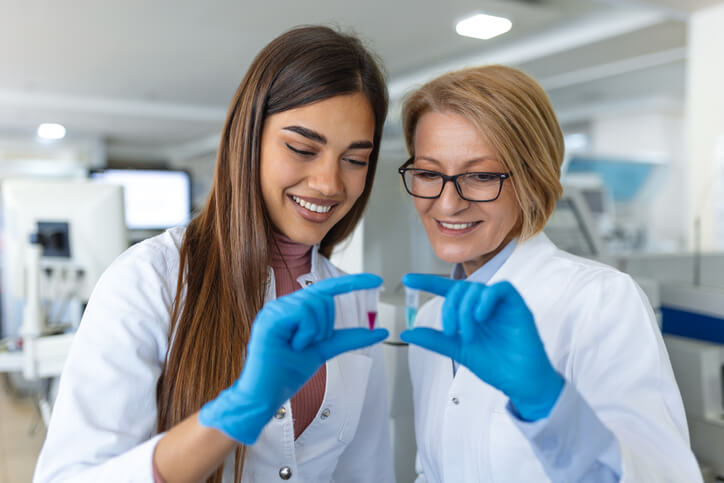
(153, 199)
(572, 227)
(693, 326)
(598, 199)
(372, 302)
(81, 228)
(412, 302)
(59, 236)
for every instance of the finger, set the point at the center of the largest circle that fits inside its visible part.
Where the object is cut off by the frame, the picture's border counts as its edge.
(433, 340)
(429, 283)
(329, 306)
(450, 323)
(307, 330)
(344, 340)
(466, 311)
(491, 298)
(318, 307)
(346, 283)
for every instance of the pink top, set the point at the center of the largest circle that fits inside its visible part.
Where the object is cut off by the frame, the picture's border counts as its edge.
(298, 258)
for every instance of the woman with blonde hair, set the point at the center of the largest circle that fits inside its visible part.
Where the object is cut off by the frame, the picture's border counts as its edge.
(532, 364)
(232, 349)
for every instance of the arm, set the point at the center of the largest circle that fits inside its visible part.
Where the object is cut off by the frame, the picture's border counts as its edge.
(618, 389)
(557, 442)
(368, 457)
(104, 420)
(191, 452)
(621, 383)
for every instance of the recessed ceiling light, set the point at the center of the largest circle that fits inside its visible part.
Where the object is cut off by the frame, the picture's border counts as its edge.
(483, 26)
(51, 131)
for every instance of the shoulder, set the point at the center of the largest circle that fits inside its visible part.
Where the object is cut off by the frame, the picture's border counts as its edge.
(130, 306)
(538, 265)
(157, 257)
(142, 279)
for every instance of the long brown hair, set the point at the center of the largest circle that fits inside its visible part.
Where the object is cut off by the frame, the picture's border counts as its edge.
(225, 250)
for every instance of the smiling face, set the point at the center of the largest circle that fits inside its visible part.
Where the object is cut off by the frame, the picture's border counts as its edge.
(462, 231)
(314, 162)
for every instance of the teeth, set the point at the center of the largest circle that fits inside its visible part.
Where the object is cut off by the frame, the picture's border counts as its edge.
(311, 206)
(456, 226)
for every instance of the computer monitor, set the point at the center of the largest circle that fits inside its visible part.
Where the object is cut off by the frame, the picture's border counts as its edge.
(154, 199)
(82, 225)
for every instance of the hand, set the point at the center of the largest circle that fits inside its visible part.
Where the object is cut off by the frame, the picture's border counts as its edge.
(491, 331)
(291, 338)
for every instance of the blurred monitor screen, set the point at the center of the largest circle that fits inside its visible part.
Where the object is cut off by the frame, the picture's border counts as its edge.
(154, 199)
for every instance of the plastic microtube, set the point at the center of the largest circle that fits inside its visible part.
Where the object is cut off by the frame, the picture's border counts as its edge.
(372, 302)
(412, 301)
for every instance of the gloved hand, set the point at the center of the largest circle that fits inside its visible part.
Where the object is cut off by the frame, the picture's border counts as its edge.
(291, 338)
(490, 330)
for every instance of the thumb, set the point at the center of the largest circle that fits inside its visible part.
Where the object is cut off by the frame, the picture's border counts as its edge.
(344, 340)
(432, 340)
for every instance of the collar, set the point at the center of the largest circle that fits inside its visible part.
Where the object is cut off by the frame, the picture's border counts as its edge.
(486, 272)
(304, 280)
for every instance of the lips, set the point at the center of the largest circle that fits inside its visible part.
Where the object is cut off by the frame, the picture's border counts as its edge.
(456, 228)
(317, 206)
(313, 209)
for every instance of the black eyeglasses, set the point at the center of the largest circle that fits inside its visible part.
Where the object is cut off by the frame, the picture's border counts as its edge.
(478, 187)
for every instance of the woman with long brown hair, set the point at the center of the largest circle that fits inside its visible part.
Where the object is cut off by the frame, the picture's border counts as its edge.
(194, 359)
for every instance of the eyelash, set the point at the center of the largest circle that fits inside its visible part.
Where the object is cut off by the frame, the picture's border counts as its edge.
(301, 152)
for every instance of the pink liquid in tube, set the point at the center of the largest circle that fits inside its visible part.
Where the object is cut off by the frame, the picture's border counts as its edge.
(371, 318)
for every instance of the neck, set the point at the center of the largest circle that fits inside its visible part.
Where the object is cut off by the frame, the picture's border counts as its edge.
(471, 266)
(285, 252)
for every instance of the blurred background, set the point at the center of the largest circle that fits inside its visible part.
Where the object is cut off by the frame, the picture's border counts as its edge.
(110, 114)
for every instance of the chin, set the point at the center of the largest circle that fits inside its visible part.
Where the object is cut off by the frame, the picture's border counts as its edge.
(451, 254)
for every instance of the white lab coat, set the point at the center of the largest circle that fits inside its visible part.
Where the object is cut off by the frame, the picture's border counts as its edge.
(103, 426)
(600, 333)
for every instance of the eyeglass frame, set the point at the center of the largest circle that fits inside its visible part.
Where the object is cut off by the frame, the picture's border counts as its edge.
(454, 179)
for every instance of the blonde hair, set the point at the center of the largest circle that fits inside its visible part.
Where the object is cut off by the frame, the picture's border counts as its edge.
(515, 116)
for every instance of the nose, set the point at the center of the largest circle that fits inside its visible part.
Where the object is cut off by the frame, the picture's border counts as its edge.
(325, 177)
(450, 201)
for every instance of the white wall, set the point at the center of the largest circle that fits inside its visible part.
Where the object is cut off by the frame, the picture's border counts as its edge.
(705, 126)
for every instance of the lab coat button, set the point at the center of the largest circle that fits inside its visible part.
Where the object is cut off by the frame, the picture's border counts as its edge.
(455, 400)
(285, 472)
(308, 282)
(281, 412)
(325, 413)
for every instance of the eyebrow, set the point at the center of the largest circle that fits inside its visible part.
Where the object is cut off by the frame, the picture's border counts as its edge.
(465, 165)
(317, 137)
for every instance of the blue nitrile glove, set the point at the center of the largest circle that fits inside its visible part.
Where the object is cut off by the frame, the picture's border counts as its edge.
(291, 338)
(490, 330)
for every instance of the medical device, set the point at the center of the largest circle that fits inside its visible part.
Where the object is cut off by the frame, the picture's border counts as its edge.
(153, 199)
(412, 302)
(572, 227)
(372, 302)
(78, 229)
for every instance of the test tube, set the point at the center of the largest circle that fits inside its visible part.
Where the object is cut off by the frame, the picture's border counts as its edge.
(412, 301)
(372, 302)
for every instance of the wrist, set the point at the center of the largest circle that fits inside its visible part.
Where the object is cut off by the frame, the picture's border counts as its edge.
(241, 419)
(540, 405)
